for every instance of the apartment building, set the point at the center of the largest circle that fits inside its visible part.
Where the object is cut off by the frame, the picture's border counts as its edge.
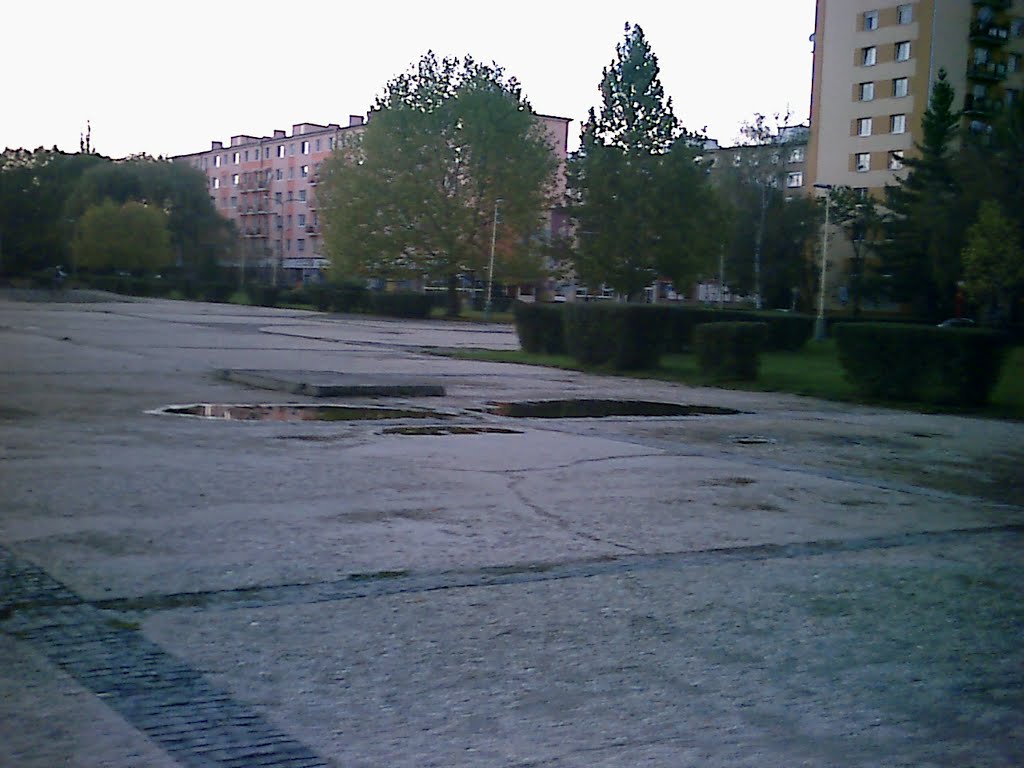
(875, 63)
(780, 163)
(267, 186)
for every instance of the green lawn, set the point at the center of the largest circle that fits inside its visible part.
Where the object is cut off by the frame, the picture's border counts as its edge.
(813, 371)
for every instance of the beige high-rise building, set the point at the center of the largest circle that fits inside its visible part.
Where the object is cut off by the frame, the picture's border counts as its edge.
(875, 63)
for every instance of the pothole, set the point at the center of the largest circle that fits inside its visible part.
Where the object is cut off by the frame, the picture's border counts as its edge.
(297, 412)
(443, 429)
(751, 440)
(597, 409)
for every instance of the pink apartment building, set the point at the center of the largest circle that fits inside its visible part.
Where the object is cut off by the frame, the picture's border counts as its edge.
(267, 187)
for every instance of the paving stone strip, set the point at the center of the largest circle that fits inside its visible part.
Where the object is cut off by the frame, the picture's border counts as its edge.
(201, 725)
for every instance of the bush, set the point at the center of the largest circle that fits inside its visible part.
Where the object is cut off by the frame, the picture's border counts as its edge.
(219, 291)
(626, 336)
(921, 363)
(350, 297)
(263, 295)
(729, 351)
(320, 296)
(401, 304)
(785, 332)
(540, 327)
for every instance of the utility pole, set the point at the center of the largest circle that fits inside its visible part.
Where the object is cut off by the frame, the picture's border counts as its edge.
(490, 270)
(819, 323)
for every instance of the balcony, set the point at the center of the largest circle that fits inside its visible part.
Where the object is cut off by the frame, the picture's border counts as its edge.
(313, 230)
(253, 233)
(975, 106)
(997, 5)
(989, 72)
(987, 32)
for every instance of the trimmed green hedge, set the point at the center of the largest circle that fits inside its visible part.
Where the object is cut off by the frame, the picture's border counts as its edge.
(540, 327)
(625, 336)
(729, 351)
(784, 331)
(401, 304)
(921, 363)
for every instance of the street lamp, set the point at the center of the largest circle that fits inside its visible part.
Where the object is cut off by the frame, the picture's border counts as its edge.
(819, 323)
(490, 269)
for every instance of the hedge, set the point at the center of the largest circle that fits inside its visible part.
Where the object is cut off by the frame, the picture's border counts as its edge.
(540, 327)
(921, 363)
(625, 336)
(729, 351)
(785, 331)
(401, 304)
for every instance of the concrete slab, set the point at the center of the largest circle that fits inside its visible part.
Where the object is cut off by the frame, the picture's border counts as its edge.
(334, 383)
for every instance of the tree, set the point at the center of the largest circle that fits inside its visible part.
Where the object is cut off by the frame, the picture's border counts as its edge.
(643, 207)
(449, 144)
(861, 220)
(199, 236)
(927, 217)
(993, 260)
(34, 188)
(131, 236)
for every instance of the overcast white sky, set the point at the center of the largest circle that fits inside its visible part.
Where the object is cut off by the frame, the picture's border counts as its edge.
(168, 77)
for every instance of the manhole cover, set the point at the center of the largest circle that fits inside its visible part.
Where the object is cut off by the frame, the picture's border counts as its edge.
(751, 440)
(596, 409)
(297, 412)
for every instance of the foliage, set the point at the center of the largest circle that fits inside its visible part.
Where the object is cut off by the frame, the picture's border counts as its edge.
(449, 144)
(34, 188)
(862, 222)
(199, 236)
(624, 336)
(921, 363)
(783, 331)
(131, 237)
(729, 351)
(401, 304)
(643, 207)
(540, 327)
(927, 218)
(993, 258)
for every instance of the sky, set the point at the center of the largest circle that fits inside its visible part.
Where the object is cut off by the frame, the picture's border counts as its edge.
(169, 77)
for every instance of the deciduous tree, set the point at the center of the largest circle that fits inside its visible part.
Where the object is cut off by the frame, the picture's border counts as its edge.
(130, 236)
(448, 144)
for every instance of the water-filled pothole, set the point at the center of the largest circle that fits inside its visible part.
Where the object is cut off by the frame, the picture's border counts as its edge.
(751, 440)
(596, 409)
(298, 412)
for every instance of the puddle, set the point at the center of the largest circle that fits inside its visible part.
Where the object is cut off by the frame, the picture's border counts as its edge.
(596, 409)
(442, 429)
(297, 412)
(751, 440)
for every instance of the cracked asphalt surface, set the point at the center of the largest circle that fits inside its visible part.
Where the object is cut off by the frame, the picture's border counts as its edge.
(660, 591)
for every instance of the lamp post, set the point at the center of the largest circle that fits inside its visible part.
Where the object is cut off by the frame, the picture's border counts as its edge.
(490, 269)
(819, 323)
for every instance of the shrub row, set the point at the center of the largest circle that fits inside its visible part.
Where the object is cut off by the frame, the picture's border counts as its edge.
(729, 351)
(784, 331)
(625, 336)
(401, 304)
(921, 363)
(540, 328)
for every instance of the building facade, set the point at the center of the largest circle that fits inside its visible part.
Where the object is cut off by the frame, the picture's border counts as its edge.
(875, 63)
(267, 186)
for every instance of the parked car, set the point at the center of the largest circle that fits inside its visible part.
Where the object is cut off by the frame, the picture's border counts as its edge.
(957, 322)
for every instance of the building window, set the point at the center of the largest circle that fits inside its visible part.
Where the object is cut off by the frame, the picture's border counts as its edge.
(302, 219)
(318, 145)
(898, 124)
(277, 198)
(216, 161)
(279, 174)
(981, 55)
(864, 126)
(896, 160)
(304, 171)
(905, 14)
(234, 180)
(289, 246)
(1013, 63)
(900, 87)
(234, 202)
(796, 155)
(867, 91)
(280, 150)
(869, 56)
(266, 153)
(1017, 27)
(300, 245)
(1012, 94)
(795, 179)
(736, 160)
(291, 149)
(302, 195)
(305, 147)
(216, 183)
(291, 172)
(330, 143)
(903, 51)
(863, 162)
(234, 158)
(870, 20)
